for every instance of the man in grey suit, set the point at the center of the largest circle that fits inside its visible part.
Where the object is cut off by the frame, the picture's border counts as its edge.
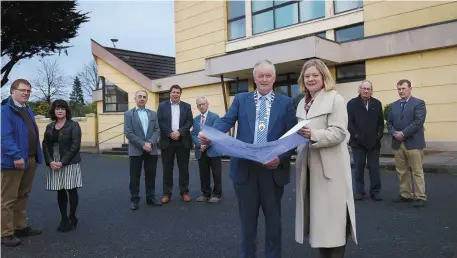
(406, 125)
(141, 127)
(208, 159)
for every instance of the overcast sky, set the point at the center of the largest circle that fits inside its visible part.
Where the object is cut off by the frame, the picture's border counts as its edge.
(145, 26)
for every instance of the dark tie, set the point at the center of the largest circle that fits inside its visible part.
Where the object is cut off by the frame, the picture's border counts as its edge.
(402, 105)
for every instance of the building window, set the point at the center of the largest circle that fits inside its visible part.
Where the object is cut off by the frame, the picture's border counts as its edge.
(239, 86)
(270, 15)
(286, 84)
(349, 33)
(347, 5)
(236, 19)
(322, 34)
(114, 98)
(164, 96)
(350, 72)
(311, 10)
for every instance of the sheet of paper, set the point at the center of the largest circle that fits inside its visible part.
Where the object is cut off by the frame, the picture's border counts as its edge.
(295, 128)
(262, 153)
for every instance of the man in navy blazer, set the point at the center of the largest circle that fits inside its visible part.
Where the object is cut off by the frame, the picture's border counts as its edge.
(262, 116)
(175, 121)
(406, 125)
(208, 159)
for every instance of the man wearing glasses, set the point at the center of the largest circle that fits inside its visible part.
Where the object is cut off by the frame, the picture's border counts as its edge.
(21, 152)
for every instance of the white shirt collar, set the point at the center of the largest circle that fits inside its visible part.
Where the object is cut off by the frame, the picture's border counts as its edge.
(171, 102)
(137, 108)
(17, 103)
(205, 114)
(268, 96)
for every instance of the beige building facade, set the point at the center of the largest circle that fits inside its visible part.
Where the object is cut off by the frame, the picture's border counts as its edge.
(218, 42)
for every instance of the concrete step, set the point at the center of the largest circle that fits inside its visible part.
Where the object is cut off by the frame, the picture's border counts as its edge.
(114, 152)
(120, 149)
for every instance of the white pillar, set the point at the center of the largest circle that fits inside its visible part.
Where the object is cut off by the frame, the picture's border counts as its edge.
(248, 11)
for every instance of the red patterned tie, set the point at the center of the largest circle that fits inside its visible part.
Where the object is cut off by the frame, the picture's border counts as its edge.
(203, 119)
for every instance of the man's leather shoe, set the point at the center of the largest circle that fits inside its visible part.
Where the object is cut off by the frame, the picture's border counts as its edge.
(10, 241)
(419, 203)
(165, 199)
(27, 231)
(376, 197)
(154, 202)
(402, 199)
(133, 206)
(186, 198)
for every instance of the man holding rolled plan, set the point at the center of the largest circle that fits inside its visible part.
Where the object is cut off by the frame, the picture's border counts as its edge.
(262, 116)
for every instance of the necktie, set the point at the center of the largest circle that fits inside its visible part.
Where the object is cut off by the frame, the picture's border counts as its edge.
(402, 105)
(262, 128)
(203, 119)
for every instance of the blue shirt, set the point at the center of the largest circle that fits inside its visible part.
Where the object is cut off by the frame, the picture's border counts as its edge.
(257, 109)
(143, 115)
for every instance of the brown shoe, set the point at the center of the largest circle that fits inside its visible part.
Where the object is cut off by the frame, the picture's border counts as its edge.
(186, 198)
(10, 241)
(27, 231)
(165, 199)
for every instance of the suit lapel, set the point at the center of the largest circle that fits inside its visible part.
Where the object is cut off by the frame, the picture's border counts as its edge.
(181, 112)
(138, 120)
(198, 125)
(274, 113)
(250, 111)
(323, 104)
(168, 108)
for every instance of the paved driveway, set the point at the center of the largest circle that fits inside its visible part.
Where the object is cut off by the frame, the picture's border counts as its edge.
(107, 228)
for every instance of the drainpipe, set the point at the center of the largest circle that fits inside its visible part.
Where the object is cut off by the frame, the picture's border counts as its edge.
(225, 97)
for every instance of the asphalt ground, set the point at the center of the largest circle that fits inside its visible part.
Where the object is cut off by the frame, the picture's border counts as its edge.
(108, 228)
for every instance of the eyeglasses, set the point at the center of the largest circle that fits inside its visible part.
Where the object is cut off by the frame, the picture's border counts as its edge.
(24, 91)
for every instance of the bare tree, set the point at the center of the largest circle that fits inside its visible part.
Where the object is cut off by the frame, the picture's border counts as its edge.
(89, 78)
(50, 82)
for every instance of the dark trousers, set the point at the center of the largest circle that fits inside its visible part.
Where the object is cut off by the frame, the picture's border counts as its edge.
(361, 157)
(149, 163)
(260, 190)
(206, 165)
(175, 148)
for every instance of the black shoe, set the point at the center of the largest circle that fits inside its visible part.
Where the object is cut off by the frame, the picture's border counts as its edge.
(402, 199)
(10, 241)
(62, 224)
(133, 206)
(419, 203)
(376, 197)
(27, 231)
(71, 224)
(154, 202)
(358, 197)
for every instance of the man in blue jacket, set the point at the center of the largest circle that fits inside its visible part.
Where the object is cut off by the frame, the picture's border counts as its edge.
(208, 159)
(21, 152)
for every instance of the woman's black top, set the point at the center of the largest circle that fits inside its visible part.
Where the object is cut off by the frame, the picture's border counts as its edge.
(69, 139)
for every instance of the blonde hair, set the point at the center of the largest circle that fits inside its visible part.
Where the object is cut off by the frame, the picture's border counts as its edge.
(329, 83)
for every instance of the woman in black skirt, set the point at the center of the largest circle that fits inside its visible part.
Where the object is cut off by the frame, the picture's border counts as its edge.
(61, 144)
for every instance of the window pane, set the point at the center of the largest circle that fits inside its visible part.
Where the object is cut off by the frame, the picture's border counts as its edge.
(122, 107)
(232, 88)
(310, 10)
(351, 71)
(282, 90)
(263, 22)
(278, 2)
(110, 99)
(110, 107)
(243, 86)
(295, 90)
(322, 35)
(286, 15)
(236, 9)
(345, 5)
(260, 5)
(237, 29)
(122, 96)
(350, 33)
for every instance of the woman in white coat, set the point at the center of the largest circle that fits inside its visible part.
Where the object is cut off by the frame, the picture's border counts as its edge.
(324, 203)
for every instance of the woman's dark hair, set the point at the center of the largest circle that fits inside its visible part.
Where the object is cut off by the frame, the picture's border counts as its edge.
(59, 103)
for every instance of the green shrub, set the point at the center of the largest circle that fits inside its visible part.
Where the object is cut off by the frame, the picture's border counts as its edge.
(386, 111)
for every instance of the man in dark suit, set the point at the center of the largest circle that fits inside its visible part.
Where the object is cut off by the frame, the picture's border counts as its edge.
(175, 121)
(141, 127)
(406, 125)
(208, 159)
(366, 126)
(262, 116)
